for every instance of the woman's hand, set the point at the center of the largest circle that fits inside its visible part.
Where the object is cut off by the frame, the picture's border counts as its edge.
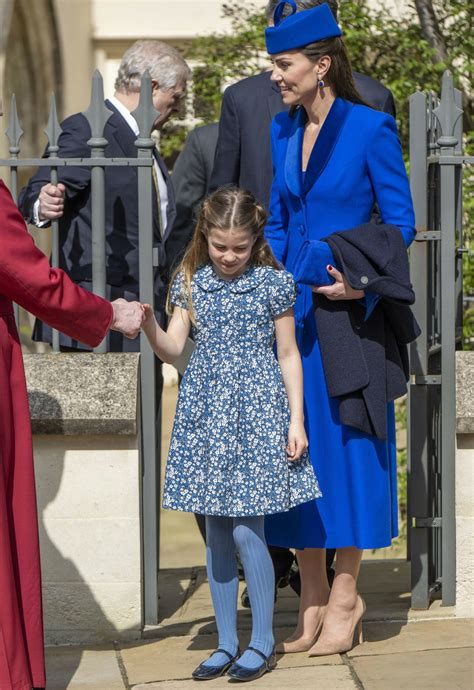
(297, 441)
(340, 289)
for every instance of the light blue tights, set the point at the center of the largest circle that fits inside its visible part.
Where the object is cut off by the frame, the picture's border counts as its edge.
(225, 536)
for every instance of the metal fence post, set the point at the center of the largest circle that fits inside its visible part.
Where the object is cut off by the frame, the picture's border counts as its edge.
(97, 115)
(145, 115)
(53, 132)
(458, 134)
(418, 432)
(447, 114)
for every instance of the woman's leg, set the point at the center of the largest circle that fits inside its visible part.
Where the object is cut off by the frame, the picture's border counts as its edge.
(224, 584)
(344, 608)
(249, 537)
(313, 600)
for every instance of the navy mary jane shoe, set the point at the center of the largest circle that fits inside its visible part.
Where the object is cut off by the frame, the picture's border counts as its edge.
(204, 672)
(243, 675)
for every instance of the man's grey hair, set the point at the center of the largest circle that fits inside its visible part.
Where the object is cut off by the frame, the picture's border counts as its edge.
(301, 5)
(164, 63)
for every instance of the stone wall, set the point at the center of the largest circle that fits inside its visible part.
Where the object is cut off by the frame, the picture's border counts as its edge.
(465, 484)
(86, 446)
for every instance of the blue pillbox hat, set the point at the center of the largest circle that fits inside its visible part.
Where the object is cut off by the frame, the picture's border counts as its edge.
(300, 28)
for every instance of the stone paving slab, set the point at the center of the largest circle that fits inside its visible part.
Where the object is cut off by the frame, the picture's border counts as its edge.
(169, 658)
(392, 638)
(328, 677)
(76, 668)
(175, 658)
(440, 669)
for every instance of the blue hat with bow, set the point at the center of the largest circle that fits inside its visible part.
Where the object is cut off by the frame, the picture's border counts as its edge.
(300, 28)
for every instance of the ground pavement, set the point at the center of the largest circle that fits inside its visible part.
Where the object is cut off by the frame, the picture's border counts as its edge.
(403, 649)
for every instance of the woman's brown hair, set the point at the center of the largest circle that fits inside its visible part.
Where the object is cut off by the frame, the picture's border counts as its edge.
(339, 76)
(228, 208)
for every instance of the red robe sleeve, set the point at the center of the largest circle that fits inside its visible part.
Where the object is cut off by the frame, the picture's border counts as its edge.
(27, 279)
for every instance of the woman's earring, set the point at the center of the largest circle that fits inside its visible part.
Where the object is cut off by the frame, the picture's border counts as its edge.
(321, 83)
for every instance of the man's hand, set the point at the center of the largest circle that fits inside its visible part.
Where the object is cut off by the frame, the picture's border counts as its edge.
(128, 317)
(51, 201)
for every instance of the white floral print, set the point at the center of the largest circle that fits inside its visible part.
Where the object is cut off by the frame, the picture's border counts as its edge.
(228, 448)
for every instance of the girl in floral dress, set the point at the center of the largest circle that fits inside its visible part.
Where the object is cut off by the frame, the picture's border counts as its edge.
(238, 448)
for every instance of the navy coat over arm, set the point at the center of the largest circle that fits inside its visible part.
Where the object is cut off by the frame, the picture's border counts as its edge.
(243, 154)
(121, 213)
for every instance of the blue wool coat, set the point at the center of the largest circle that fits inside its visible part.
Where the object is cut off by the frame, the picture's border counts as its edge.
(356, 162)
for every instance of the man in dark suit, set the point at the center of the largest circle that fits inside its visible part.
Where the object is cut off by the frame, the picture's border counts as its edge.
(70, 201)
(243, 153)
(191, 176)
(243, 157)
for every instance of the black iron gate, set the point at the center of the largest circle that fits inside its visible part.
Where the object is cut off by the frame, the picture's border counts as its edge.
(436, 169)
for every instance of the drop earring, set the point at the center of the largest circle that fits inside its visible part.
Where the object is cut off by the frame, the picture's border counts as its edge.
(321, 83)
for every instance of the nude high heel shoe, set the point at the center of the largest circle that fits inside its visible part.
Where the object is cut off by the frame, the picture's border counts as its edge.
(291, 646)
(356, 635)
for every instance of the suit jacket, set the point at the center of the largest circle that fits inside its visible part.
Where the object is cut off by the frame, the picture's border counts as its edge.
(366, 360)
(121, 218)
(243, 153)
(26, 278)
(191, 177)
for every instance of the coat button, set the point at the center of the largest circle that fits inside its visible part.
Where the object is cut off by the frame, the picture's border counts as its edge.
(364, 280)
(302, 229)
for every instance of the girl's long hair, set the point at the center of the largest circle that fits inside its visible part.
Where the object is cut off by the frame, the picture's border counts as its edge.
(228, 208)
(339, 76)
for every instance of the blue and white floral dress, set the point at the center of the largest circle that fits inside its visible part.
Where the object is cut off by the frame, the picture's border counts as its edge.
(228, 448)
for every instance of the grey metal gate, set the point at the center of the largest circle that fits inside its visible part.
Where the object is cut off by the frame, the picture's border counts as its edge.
(436, 168)
(97, 115)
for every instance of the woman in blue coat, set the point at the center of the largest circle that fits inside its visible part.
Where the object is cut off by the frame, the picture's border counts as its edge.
(334, 159)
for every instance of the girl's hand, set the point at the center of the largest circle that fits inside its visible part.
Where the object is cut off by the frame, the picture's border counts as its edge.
(149, 315)
(340, 289)
(297, 441)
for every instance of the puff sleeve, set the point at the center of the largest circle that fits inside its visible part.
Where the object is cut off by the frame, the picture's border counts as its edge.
(282, 293)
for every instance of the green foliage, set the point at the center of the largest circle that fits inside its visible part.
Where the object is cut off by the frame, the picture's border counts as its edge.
(227, 57)
(392, 52)
(455, 18)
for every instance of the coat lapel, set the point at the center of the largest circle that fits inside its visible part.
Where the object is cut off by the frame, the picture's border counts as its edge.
(123, 135)
(325, 143)
(293, 175)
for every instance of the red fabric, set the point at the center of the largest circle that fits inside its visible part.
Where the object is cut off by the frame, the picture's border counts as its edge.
(27, 278)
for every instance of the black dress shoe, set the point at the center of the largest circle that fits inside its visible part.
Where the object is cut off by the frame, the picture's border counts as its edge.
(243, 674)
(204, 672)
